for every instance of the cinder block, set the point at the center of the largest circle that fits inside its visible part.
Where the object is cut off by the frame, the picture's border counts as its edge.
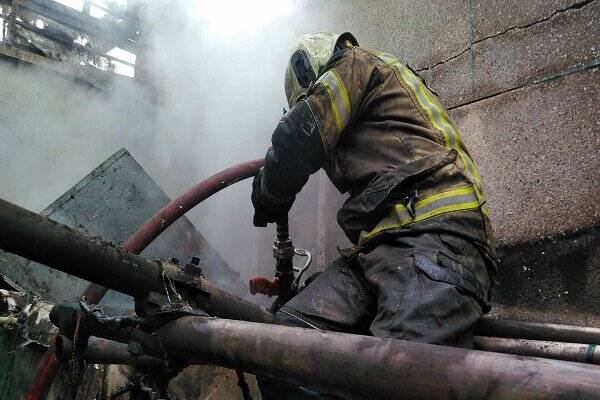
(537, 150)
(568, 41)
(556, 280)
(452, 81)
(448, 29)
(491, 17)
(521, 57)
(420, 32)
(396, 27)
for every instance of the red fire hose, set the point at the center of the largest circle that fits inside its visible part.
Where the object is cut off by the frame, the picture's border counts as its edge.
(145, 234)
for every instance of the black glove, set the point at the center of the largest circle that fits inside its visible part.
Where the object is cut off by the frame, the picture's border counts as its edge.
(266, 211)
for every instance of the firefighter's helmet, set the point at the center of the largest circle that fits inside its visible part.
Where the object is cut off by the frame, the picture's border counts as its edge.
(308, 58)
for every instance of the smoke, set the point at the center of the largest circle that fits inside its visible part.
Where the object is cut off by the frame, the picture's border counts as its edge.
(215, 94)
(221, 83)
(54, 131)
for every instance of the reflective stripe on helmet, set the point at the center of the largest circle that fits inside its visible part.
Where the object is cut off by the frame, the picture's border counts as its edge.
(436, 116)
(338, 96)
(460, 199)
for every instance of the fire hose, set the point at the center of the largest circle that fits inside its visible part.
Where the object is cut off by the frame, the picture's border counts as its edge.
(48, 366)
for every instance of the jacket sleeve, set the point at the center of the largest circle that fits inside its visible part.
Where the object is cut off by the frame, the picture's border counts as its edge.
(308, 133)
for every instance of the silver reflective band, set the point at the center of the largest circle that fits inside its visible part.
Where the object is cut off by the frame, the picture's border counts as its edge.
(454, 200)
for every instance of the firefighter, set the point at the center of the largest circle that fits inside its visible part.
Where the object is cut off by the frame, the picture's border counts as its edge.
(423, 259)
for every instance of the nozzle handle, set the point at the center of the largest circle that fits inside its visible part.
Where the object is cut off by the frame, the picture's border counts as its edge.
(282, 228)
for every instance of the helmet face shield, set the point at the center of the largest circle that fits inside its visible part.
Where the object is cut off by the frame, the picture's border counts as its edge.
(293, 91)
(302, 69)
(308, 58)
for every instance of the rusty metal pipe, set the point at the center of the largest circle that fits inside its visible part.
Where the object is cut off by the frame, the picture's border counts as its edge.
(537, 331)
(56, 245)
(104, 351)
(363, 367)
(62, 248)
(577, 352)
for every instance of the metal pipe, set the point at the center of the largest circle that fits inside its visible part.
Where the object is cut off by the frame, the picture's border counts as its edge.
(537, 331)
(363, 367)
(577, 352)
(60, 247)
(48, 242)
(103, 351)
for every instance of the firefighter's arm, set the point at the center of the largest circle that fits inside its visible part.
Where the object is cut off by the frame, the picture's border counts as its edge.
(307, 134)
(296, 152)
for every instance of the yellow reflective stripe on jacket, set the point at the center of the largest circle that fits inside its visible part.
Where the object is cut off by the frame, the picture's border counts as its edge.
(460, 199)
(338, 95)
(437, 118)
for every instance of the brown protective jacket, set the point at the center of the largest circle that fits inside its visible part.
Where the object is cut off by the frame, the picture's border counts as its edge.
(383, 137)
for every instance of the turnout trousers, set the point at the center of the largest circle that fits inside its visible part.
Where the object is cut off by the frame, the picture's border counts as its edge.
(402, 288)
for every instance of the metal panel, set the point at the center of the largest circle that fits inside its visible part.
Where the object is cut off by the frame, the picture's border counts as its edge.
(111, 203)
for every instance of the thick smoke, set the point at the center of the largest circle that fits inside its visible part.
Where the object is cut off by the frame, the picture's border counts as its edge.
(215, 97)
